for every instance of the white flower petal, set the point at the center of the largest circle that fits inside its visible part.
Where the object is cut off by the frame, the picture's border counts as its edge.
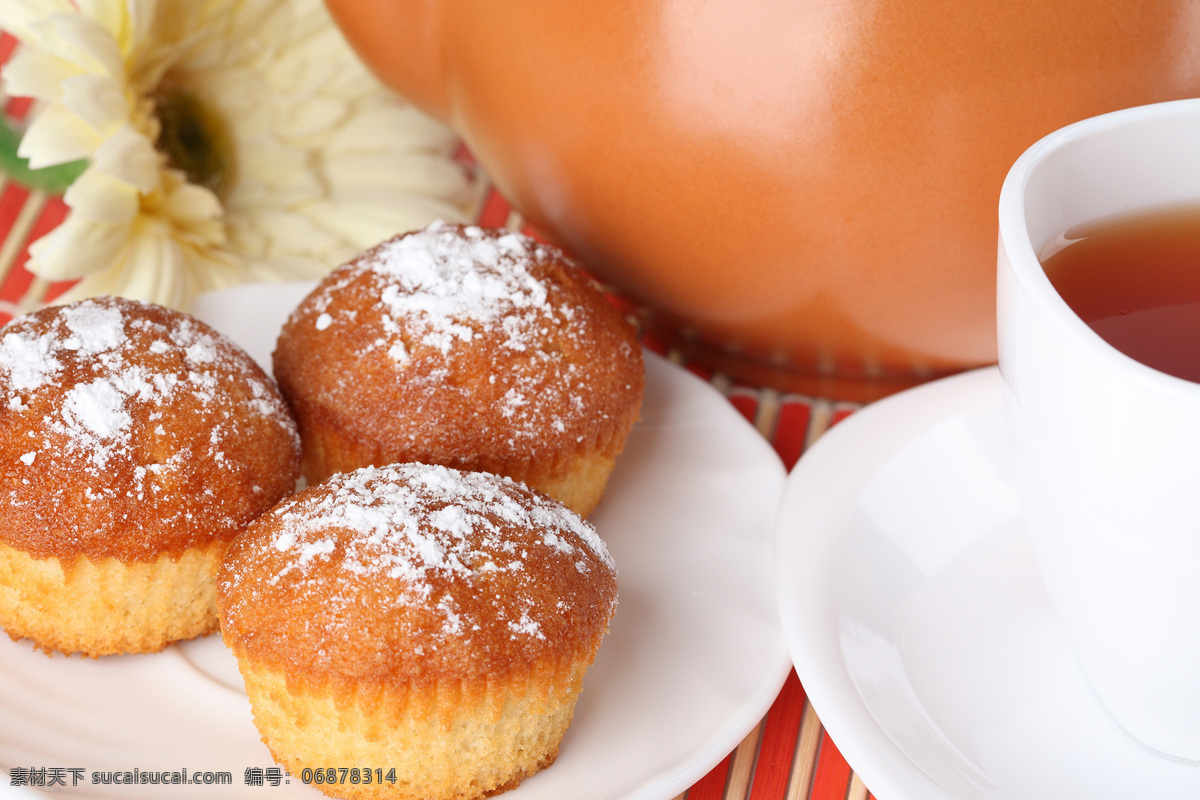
(76, 248)
(191, 203)
(152, 54)
(91, 286)
(97, 100)
(130, 157)
(290, 76)
(291, 232)
(245, 238)
(268, 157)
(367, 220)
(82, 41)
(313, 117)
(99, 197)
(114, 17)
(56, 136)
(18, 17)
(413, 171)
(275, 174)
(240, 97)
(208, 273)
(153, 268)
(390, 127)
(36, 73)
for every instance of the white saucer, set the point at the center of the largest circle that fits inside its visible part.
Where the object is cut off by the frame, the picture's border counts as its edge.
(694, 658)
(919, 626)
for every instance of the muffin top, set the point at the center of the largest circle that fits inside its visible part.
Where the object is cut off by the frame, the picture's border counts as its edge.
(417, 572)
(490, 341)
(129, 430)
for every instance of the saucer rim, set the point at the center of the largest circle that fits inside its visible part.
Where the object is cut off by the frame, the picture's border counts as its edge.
(883, 767)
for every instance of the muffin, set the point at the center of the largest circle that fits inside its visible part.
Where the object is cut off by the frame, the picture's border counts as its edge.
(429, 626)
(477, 349)
(135, 443)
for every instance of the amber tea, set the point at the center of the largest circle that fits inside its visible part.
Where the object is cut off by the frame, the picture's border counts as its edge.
(1136, 281)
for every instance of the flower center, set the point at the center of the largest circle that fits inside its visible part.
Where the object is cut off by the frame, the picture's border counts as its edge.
(194, 139)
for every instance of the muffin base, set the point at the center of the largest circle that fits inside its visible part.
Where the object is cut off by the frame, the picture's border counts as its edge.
(108, 606)
(445, 740)
(582, 487)
(576, 480)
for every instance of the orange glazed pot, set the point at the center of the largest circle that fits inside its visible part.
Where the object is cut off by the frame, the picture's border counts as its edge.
(801, 192)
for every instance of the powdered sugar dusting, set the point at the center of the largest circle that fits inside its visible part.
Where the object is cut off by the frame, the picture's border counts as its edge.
(447, 284)
(94, 328)
(93, 368)
(419, 526)
(96, 410)
(527, 626)
(28, 360)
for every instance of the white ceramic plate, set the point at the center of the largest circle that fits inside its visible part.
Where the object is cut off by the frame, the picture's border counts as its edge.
(919, 626)
(694, 658)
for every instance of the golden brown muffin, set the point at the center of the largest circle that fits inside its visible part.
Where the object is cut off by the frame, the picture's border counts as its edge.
(135, 442)
(429, 625)
(473, 348)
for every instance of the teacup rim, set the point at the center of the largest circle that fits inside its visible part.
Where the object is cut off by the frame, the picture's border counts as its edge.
(1017, 249)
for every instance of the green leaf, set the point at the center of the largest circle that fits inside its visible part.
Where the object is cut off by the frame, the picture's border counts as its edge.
(52, 180)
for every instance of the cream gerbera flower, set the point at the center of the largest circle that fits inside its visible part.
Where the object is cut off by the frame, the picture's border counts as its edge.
(226, 141)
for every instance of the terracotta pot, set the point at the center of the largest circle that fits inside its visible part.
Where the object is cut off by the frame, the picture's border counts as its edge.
(808, 185)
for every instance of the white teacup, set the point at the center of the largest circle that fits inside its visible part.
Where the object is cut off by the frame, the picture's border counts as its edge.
(1106, 451)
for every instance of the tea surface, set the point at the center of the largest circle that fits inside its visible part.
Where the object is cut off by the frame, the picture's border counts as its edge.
(1136, 282)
